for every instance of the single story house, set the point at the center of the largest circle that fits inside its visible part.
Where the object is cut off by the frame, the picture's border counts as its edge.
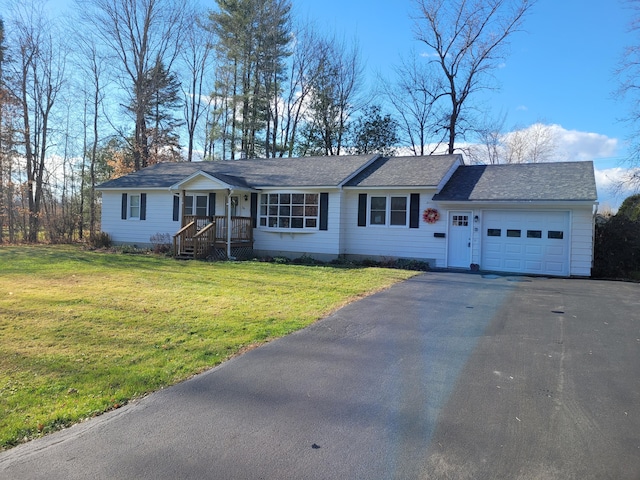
(524, 218)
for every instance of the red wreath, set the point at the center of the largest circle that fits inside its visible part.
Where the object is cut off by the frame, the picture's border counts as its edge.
(430, 215)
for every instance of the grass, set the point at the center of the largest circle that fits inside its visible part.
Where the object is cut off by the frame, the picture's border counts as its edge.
(83, 332)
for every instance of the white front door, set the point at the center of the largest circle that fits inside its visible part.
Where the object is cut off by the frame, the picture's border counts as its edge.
(459, 245)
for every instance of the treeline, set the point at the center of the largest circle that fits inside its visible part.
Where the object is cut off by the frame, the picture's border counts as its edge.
(122, 84)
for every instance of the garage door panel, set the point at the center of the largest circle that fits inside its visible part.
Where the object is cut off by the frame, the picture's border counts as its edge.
(554, 267)
(513, 264)
(533, 249)
(541, 248)
(493, 248)
(513, 248)
(533, 266)
(556, 250)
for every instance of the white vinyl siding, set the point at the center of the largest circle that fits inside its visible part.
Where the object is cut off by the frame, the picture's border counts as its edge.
(159, 217)
(581, 241)
(395, 241)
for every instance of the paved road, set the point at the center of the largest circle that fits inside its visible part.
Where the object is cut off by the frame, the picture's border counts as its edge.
(446, 375)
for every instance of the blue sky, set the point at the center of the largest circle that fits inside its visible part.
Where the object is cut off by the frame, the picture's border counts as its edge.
(561, 70)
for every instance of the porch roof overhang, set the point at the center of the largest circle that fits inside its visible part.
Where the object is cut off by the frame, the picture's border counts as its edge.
(218, 182)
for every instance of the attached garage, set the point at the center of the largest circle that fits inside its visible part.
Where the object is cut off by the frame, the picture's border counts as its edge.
(522, 241)
(527, 218)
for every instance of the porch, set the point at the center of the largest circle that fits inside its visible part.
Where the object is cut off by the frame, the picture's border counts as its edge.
(202, 236)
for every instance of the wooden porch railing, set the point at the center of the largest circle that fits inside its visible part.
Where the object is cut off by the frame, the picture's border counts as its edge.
(200, 234)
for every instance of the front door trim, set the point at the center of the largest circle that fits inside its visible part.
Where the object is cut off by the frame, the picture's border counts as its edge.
(460, 228)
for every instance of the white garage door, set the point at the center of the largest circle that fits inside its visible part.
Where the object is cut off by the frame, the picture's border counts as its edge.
(525, 242)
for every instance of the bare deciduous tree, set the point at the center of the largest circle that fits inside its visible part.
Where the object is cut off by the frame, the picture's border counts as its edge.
(466, 40)
(138, 34)
(38, 74)
(628, 73)
(196, 59)
(335, 95)
(536, 143)
(414, 96)
(296, 89)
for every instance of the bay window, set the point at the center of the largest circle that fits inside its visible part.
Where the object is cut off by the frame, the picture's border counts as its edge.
(289, 210)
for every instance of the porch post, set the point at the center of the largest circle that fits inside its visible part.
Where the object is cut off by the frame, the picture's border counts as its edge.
(229, 192)
(182, 200)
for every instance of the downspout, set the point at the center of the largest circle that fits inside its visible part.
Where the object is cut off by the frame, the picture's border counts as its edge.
(229, 192)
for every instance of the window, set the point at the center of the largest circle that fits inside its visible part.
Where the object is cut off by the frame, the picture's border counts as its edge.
(534, 233)
(398, 210)
(134, 206)
(289, 210)
(556, 234)
(460, 220)
(513, 233)
(389, 210)
(494, 232)
(201, 203)
(378, 214)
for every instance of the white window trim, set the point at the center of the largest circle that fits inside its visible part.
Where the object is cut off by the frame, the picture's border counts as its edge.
(303, 229)
(387, 223)
(194, 204)
(130, 205)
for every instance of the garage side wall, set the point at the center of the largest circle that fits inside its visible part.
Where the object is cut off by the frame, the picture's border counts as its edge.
(581, 242)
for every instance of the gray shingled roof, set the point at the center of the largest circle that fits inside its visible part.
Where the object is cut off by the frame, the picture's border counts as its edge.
(568, 181)
(274, 172)
(426, 171)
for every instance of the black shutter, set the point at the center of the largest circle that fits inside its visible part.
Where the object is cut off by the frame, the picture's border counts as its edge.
(414, 211)
(362, 210)
(143, 206)
(324, 211)
(176, 208)
(123, 208)
(254, 209)
(212, 204)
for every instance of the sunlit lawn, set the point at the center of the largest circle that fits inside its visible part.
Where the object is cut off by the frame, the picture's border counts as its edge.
(84, 332)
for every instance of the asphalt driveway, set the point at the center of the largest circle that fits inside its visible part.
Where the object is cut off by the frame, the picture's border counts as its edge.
(447, 375)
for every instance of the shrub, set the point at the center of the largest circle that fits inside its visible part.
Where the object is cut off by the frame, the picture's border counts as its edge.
(617, 248)
(307, 260)
(100, 240)
(630, 208)
(407, 264)
(161, 242)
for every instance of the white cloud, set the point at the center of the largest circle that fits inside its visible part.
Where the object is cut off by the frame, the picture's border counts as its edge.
(610, 192)
(608, 178)
(573, 145)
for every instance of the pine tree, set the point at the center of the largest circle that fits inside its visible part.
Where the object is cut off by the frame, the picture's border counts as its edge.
(252, 44)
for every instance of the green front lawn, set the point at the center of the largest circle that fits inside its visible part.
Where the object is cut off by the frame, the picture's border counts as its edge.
(84, 332)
